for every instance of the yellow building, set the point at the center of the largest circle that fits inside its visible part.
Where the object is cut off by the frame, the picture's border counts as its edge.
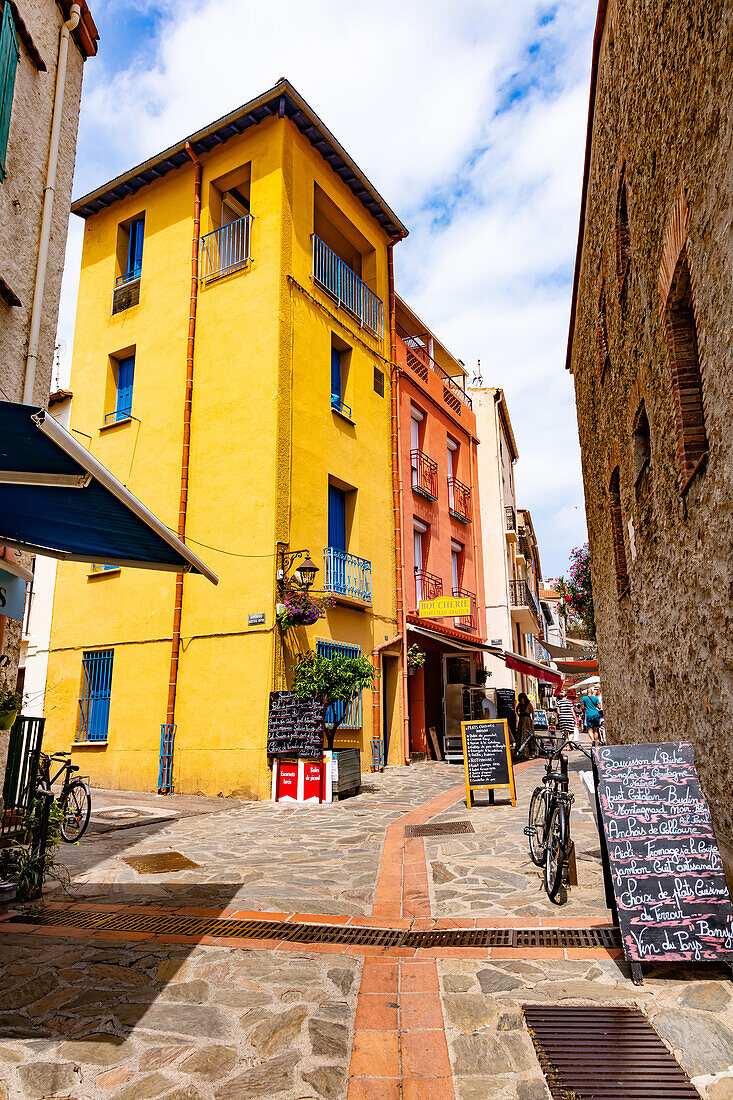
(287, 278)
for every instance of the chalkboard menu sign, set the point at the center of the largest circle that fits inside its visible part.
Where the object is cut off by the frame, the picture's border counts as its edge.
(662, 857)
(506, 702)
(487, 758)
(295, 726)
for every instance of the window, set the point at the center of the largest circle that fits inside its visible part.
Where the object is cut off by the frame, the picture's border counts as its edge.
(420, 545)
(9, 57)
(336, 518)
(130, 237)
(227, 247)
(104, 568)
(340, 358)
(604, 358)
(617, 533)
(379, 381)
(452, 456)
(417, 434)
(686, 378)
(623, 236)
(641, 444)
(353, 719)
(96, 685)
(123, 372)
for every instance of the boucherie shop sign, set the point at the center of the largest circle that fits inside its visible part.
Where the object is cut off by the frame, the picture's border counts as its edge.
(662, 857)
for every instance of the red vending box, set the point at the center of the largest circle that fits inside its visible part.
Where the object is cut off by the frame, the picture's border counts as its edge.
(313, 781)
(287, 780)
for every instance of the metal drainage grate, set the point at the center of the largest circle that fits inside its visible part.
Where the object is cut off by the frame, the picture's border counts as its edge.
(604, 1053)
(169, 924)
(441, 828)
(159, 862)
(120, 814)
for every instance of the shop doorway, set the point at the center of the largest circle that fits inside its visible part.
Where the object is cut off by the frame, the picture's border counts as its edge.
(390, 684)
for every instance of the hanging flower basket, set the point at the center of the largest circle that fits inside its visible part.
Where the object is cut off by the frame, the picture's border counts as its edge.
(299, 608)
(10, 704)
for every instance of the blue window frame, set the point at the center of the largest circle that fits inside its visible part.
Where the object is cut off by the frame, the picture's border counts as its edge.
(353, 719)
(336, 518)
(135, 248)
(95, 695)
(9, 57)
(125, 378)
(335, 378)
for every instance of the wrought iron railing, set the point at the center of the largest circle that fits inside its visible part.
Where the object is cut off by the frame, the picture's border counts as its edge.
(341, 406)
(459, 500)
(424, 475)
(330, 271)
(347, 575)
(427, 586)
(511, 518)
(224, 250)
(349, 716)
(419, 360)
(466, 622)
(21, 772)
(521, 595)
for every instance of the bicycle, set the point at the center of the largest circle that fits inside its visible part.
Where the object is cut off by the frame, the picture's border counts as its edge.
(75, 798)
(548, 828)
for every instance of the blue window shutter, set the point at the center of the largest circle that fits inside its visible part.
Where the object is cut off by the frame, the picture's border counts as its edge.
(336, 394)
(336, 518)
(9, 56)
(125, 377)
(135, 249)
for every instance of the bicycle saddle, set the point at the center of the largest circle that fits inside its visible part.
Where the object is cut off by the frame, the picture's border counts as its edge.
(557, 777)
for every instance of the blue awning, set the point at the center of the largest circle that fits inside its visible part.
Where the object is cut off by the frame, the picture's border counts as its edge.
(56, 499)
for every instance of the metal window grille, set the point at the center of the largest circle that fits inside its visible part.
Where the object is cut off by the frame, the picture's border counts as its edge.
(330, 271)
(95, 696)
(353, 719)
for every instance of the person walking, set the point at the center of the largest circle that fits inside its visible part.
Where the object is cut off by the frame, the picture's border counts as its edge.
(525, 714)
(567, 726)
(591, 705)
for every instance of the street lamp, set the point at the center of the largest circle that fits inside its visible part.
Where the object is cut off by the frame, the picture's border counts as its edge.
(306, 572)
(303, 576)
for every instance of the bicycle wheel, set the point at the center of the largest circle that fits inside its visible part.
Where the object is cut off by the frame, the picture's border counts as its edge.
(536, 827)
(76, 806)
(555, 852)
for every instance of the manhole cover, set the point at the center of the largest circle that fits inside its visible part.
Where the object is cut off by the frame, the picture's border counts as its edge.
(442, 828)
(604, 1052)
(159, 861)
(124, 813)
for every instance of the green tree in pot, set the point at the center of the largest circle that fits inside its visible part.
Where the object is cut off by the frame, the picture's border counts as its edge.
(10, 704)
(337, 680)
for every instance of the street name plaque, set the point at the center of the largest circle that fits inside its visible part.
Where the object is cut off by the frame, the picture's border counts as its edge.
(487, 758)
(664, 874)
(295, 726)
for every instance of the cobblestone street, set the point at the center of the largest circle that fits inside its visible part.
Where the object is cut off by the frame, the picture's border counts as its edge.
(133, 1014)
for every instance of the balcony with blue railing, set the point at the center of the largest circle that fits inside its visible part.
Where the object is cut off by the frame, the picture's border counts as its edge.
(347, 576)
(226, 249)
(343, 284)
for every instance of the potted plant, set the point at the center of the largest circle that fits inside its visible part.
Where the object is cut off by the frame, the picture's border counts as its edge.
(300, 608)
(415, 660)
(10, 704)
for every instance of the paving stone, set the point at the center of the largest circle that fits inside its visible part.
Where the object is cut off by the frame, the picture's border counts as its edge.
(29, 992)
(328, 1081)
(145, 1088)
(479, 1055)
(12, 1056)
(720, 1090)
(520, 1049)
(211, 1061)
(185, 1092)
(342, 979)
(158, 1057)
(195, 992)
(484, 1088)
(703, 1044)
(532, 1090)
(114, 1078)
(469, 1011)
(199, 1021)
(327, 1039)
(48, 1078)
(711, 997)
(274, 1032)
(271, 1078)
(497, 981)
(459, 983)
(100, 1050)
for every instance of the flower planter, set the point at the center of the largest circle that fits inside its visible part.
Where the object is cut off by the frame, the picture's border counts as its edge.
(7, 718)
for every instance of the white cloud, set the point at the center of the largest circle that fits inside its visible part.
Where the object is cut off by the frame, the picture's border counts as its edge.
(468, 117)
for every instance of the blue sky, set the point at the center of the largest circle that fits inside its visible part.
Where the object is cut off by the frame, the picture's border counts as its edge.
(468, 116)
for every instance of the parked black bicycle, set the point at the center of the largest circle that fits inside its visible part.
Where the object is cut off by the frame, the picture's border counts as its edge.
(74, 798)
(548, 828)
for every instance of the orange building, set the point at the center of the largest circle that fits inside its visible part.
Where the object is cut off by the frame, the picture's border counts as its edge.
(441, 534)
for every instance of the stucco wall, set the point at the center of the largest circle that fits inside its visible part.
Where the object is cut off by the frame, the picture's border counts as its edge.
(666, 647)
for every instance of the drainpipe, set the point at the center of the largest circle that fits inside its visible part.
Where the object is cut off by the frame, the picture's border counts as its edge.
(183, 500)
(397, 502)
(376, 734)
(48, 196)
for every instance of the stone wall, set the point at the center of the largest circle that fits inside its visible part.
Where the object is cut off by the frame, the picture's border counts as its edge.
(663, 126)
(21, 197)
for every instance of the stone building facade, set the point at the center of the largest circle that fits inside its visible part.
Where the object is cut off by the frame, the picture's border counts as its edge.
(650, 350)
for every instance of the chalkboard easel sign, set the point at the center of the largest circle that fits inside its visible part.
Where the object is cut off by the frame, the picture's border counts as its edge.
(487, 757)
(295, 726)
(663, 872)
